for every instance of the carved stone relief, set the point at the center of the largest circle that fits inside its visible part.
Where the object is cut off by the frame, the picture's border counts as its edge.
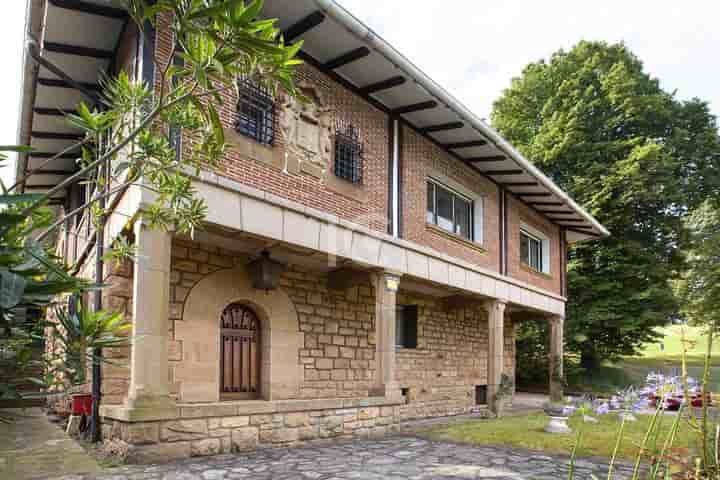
(306, 126)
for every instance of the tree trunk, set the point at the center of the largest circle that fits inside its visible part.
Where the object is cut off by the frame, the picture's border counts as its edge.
(589, 359)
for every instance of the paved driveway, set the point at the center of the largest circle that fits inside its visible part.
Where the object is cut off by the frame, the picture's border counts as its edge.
(399, 457)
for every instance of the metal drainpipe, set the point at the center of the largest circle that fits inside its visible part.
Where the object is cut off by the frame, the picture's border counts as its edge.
(95, 432)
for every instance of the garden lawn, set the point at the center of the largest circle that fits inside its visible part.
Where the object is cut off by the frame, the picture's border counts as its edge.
(527, 432)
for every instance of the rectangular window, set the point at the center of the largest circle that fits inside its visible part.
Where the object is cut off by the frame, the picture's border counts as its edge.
(406, 326)
(449, 210)
(348, 155)
(256, 112)
(532, 251)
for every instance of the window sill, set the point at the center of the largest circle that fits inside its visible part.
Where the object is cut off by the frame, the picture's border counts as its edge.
(456, 238)
(530, 269)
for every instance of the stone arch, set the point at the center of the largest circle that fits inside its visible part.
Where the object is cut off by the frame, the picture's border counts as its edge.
(198, 373)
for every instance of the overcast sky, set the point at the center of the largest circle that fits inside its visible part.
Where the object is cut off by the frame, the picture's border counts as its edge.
(474, 48)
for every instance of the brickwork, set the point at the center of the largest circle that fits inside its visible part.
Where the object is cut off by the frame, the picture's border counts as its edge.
(519, 213)
(421, 160)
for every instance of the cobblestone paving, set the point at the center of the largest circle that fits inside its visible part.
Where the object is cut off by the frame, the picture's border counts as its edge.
(395, 458)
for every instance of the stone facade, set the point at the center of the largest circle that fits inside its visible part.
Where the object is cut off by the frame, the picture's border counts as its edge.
(244, 426)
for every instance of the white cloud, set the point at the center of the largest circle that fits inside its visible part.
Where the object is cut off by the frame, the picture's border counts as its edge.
(474, 48)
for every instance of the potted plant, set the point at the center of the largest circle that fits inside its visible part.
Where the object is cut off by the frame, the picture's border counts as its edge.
(76, 334)
(559, 412)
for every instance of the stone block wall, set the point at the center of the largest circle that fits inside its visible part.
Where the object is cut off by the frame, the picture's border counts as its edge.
(211, 430)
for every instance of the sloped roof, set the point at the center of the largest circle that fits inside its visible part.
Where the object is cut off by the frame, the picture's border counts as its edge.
(81, 35)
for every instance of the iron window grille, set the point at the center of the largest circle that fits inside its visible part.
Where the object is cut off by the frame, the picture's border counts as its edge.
(256, 112)
(348, 154)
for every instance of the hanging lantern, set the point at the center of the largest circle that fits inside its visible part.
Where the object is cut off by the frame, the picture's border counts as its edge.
(265, 273)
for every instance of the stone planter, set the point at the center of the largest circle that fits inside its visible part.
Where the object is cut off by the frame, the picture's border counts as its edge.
(559, 415)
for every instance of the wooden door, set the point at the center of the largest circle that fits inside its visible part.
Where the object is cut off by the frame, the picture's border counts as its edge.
(239, 352)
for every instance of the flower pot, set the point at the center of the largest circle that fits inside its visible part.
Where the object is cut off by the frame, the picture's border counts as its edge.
(82, 404)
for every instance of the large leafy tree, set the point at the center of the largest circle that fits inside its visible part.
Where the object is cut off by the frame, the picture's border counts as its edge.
(638, 159)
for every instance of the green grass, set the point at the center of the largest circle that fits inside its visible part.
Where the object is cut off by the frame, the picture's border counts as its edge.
(611, 377)
(527, 432)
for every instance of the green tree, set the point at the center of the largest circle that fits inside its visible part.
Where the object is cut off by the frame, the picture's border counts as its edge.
(699, 284)
(638, 159)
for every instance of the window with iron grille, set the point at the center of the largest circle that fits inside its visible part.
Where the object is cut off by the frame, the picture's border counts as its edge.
(256, 112)
(348, 154)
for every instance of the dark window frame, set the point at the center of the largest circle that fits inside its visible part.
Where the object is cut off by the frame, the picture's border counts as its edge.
(348, 163)
(454, 195)
(256, 112)
(406, 326)
(536, 246)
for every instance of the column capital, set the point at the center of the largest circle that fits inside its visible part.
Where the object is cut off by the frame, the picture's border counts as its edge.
(388, 279)
(495, 304)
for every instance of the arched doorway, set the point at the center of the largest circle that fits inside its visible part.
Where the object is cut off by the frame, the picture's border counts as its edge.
(239, 352)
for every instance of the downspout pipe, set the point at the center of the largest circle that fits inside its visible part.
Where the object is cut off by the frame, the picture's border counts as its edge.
(366, 35)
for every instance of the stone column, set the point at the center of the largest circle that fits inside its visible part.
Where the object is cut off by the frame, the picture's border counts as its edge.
(496, 350)
(149, 385)
(556, 358)
(386, 285)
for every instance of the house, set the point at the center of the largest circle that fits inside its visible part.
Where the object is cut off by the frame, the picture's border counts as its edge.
(366, 258)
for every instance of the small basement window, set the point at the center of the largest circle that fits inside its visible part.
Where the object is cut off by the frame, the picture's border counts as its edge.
(256, 112)
(406, 326)
(449, 210)
(348, 154)
(481, 395)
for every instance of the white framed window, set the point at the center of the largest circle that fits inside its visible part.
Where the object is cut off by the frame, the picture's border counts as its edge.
(534, 249)
(455, 212)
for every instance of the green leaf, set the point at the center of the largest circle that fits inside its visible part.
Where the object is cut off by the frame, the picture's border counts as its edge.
(14, 199)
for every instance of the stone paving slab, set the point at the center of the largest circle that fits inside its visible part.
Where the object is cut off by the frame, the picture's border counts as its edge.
(394, 458)
(31, 447)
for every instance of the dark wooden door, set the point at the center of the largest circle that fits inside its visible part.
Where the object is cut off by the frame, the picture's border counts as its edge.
(239, 352)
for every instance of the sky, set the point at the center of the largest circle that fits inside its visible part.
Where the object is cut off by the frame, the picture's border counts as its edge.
(474, 48)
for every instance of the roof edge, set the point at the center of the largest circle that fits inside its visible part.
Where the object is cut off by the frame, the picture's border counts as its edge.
(364, 33)
(34, 13)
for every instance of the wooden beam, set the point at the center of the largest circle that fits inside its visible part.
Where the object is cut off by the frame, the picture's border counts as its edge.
(472, 143)
(584, 232)
(546, 203)
(415, 107)
(66, 49)
(441, 127)
(54, 112)
(347, 58)
(524, 194)
(519, 184)
(91, 8)
(303, 26)
(502, 172)
(567, 220)
(52, 172)
(344, 278)
(556, 211)
(57, 83)
(56, 135)
(52, 154)
(492, 158)
(386, 84)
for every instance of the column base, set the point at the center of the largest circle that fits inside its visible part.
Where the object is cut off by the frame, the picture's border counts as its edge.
(142, 409)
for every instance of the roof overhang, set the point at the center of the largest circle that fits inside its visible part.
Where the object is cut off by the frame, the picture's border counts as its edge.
(356, 57)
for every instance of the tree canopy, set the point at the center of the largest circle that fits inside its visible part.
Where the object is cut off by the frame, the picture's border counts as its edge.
(639, 159)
